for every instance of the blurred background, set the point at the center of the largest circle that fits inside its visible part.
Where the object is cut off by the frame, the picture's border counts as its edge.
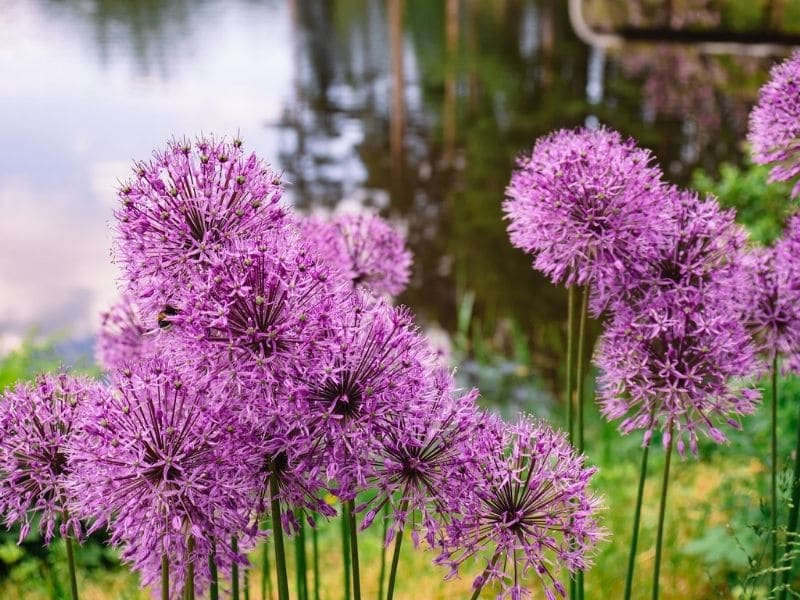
(417, 108)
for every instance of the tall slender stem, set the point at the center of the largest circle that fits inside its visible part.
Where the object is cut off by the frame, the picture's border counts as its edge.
(300, 561)
(382, 576)
(315, 551)
(246, 582)
(277, 534)
(212, 567)
(774, 475)
(189, 585)
(580, 376)
(73, 574)
(346, 551)
(794, 516)
(570, 360)
(266, 578)
(235, 570)
(73, 577)
(396, 554)
(637, 514)
(351, 515)
(662, 509)
(164, 577)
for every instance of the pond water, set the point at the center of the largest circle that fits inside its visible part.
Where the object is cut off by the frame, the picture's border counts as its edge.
(416, 108)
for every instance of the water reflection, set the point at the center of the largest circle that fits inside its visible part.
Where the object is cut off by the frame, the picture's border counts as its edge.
(415, 107)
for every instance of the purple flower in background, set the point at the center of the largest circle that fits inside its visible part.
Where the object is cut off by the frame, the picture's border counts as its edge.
(160, 459)
(673, 353)
(588, 205)
(37, 421)
(773, 302)
(184, 208)
(263, 305)
(531, 510)
(775, 123)
(369, 371)
(123, 337)
(367, 251)
(421, 461)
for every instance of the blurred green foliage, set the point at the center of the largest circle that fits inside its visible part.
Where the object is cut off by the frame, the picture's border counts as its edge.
(761, 206)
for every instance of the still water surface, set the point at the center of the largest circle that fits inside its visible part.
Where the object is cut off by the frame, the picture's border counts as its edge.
(417, 108)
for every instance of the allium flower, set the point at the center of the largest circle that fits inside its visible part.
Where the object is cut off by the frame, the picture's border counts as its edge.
(37, 424)
(287, 451)
(421, 461)
(775, 122)
(184, 208)
(369, 371)
(773, 301)
(531, 511)
(674, 352)
(160, 460)
(588, 205)
(123, 337)
(263, 305)
(367, 251)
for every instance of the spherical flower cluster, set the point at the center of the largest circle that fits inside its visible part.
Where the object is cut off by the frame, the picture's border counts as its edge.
(162, 464)
(371, 370)
(123, 337)
(184, 208)
(773, 299)
(364, 249)
(38, 423)
(588, 205)
(673, 351)
(261, 306)
(424, 458)
(775, 123)
(531, 511)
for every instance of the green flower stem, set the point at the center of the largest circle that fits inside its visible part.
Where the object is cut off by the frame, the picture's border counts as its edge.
(774, 475)
(164, 577)
(73, 578)
(662, 509)
(277, 534)
(315, 551)
(300, 561)
(794, 514)
(350, 508)
(579, 382)
(382, 577)
(235, 570)
(570, 360)
(346, 551)
(189, 585)
(396, 554)
(637, 515)
(266, 578)
(212, 567)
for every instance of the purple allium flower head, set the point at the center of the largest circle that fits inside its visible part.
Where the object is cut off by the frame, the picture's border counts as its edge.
(123, 336)
(37, 421)
(263, 304)
(531, 511)
(773, 301)
(676, 350)
(370, 370)
(159, 458)
(287, 450)
(185, 207)
(421, 461)
(365, 249)
(588, 205)
(775, 122)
